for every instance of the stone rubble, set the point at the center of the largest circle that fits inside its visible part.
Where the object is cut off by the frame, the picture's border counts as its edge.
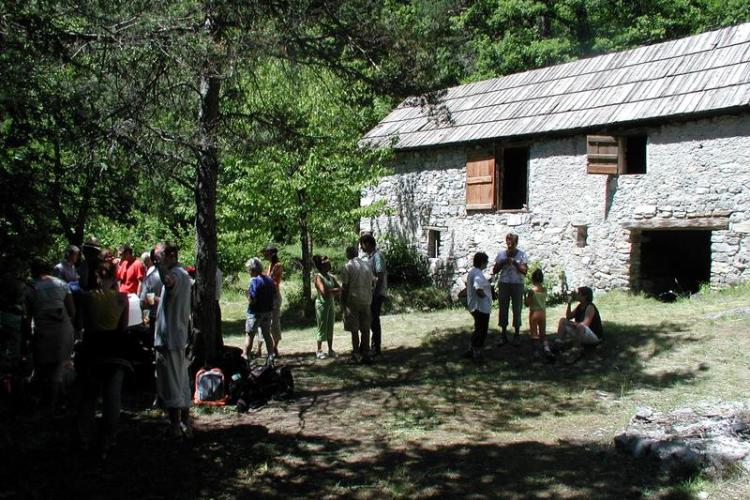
(710, 438)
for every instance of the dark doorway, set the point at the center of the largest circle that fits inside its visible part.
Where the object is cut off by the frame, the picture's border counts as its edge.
(515, 178)
(675, 261)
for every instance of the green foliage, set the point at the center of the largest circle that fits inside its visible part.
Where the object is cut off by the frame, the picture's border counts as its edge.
(407, 298)
(406, 265)
(555, 282)
(142, 234)
(508, 36)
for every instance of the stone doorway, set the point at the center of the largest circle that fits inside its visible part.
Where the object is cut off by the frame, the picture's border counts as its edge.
(673, 260)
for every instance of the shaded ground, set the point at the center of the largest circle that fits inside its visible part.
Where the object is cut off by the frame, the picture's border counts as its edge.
(420, 423)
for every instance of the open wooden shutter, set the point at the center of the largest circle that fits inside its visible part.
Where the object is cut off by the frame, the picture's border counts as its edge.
(480, 182)
(605, 154)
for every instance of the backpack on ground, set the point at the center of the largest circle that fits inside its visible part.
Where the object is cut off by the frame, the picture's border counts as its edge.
(264, 383)
(210, 388)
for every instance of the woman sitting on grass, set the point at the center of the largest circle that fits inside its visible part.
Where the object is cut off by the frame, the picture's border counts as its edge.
(581, 326)
(327, 288)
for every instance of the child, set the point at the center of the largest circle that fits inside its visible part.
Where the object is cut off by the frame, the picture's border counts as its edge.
(479, 302)
(536, 301)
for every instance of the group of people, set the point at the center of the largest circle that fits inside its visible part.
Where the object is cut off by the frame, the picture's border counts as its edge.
(81, 309)
(264, 304)
(87, 296)
(362, 291)
(581, 325)
(361, 287)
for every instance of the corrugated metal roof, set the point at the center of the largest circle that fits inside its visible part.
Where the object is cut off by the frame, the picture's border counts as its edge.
(702, 73)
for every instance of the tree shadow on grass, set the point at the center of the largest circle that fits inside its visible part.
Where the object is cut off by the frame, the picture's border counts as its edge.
(244, 460)
(411, 391)
(424, 386)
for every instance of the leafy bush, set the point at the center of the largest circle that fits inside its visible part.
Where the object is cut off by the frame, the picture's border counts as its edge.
(407, 298)
(406, 265)
(142, 235)
(556, 284)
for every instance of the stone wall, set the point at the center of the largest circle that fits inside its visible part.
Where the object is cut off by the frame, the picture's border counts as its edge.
(698, 176)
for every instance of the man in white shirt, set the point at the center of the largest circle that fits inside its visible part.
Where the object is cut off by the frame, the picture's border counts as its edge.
(512, 266)
(170, 341)
(479, 301)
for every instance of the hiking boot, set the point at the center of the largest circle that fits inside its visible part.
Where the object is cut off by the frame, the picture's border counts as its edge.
(331, 353)
(503, 341)
(516, 340)
(320, 355)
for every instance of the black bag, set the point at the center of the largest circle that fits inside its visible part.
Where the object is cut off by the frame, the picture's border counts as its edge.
(262, 384)
(232, 362)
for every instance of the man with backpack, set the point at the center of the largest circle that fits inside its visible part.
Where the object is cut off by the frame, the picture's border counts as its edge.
(260, 297)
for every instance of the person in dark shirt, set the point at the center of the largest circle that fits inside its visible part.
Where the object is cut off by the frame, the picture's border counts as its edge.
(260, 296)
(581, 326)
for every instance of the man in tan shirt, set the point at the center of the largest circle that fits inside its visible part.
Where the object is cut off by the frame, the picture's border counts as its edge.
(356, 296)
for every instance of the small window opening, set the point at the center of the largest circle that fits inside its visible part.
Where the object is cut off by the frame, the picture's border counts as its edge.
(582, 235)
(515, 173)
(433, 244)
(635, 154)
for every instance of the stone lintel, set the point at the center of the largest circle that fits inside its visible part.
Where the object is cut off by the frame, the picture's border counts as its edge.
(664, 223)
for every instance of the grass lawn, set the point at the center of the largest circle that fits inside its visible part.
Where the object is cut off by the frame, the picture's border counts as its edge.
(424, 423)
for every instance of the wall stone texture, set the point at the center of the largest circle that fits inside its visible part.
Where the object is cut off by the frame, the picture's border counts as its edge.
(698, 175)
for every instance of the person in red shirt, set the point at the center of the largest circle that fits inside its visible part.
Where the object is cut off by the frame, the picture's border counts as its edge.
(130, 272)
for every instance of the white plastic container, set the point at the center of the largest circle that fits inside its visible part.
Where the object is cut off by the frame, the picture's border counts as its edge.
(135, 315)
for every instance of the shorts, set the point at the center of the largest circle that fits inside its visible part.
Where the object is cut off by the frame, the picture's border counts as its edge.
(357, 317)
(589, 337)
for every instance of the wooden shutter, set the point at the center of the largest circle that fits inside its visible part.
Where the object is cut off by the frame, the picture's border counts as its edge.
(605, 154)
(480, 182)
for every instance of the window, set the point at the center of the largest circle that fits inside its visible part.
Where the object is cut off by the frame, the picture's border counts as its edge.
(433, 243)
(515, 174)
(635, 155)
(490, 185)
(612, 155)
(582, 235)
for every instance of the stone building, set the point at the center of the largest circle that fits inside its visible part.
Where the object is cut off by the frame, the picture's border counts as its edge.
(627, 170)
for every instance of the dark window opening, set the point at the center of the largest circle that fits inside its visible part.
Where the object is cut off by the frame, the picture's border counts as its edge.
(674, 262)
(582, 235)
(635, 154)
(515, 172)
(433, 244)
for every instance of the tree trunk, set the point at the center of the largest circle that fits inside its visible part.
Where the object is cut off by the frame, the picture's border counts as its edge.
(306, 241)
(544, 21)
(207, 340)
(583, 29)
